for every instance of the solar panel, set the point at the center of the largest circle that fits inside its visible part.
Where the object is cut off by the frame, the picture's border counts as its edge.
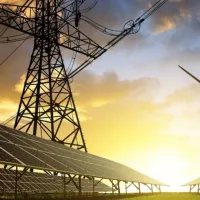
(193, 182)
(42, 183)
(30, 151)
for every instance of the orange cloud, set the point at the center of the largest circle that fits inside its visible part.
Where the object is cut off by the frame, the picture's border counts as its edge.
(7, 109)
(97, 91)
(19, 86)
(13, 1)
(167, 24)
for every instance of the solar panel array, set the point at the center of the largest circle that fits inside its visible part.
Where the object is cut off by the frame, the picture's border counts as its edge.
(23, 149)
(193, 182)
(42, 183)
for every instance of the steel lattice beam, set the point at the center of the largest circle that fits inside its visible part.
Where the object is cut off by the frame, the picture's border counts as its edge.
(11, 17)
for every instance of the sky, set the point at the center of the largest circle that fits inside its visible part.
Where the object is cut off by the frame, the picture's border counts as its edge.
(135, 105)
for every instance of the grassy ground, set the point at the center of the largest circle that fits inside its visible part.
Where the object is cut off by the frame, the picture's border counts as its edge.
(168, 196)
(150, 196)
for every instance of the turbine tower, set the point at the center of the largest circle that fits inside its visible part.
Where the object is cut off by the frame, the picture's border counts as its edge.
(47, 103)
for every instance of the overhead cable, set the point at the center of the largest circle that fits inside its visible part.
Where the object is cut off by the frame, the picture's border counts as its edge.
(12, 52)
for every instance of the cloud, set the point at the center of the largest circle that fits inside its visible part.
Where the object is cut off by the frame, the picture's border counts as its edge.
(180, 19)
(188, 95)
(15, 2)
(7, 109)
(177, 21)
(134, 99)
(122, 105)
(19, 86)
(134, 122)
(13, 68)
(96, 91)
(183, 105)
(166, 25)
(93, 91)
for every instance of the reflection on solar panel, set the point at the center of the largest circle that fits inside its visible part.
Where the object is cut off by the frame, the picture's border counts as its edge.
(42, 183)
(21, 149)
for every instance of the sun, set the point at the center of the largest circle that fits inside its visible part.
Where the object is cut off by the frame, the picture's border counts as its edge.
(169, 167)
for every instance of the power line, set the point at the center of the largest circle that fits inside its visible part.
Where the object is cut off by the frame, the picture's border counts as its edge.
(153, 9)
(14, 38)
(3, 31)
(9, 119)
(13, 52)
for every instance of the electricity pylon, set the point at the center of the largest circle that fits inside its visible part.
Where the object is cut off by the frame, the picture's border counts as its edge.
(47, 102)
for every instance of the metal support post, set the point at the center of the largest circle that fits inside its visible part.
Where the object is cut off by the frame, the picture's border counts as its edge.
(118, 186)
(152, 188)
(115, 186)
(192, 187)
(64, 182)
(93, 186)
(125, 186)
(139, 188)
(113, 189)
(16, 182)
(112, 186)
(159, 188)
(77, 185)
(80, 186)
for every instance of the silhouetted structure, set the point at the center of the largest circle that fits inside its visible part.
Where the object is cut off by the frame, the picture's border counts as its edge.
(47, 100)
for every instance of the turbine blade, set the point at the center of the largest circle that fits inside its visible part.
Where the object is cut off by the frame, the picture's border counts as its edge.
(194, 77)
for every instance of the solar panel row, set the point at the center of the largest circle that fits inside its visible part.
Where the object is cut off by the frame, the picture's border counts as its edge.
(29, 151)
(193, 182)
(42, 183)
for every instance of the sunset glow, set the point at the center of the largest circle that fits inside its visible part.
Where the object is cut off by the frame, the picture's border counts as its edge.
(135, 105)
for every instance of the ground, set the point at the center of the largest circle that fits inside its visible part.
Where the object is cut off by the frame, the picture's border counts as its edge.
(150, 196)
(168, 196)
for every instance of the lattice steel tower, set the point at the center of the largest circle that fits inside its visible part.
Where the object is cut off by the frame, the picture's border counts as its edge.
(47, 99)
(47, 103)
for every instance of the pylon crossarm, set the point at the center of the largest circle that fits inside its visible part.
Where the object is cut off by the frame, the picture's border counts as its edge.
(78, 41)
(99, 52)
(68, 10)
(21, 21)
